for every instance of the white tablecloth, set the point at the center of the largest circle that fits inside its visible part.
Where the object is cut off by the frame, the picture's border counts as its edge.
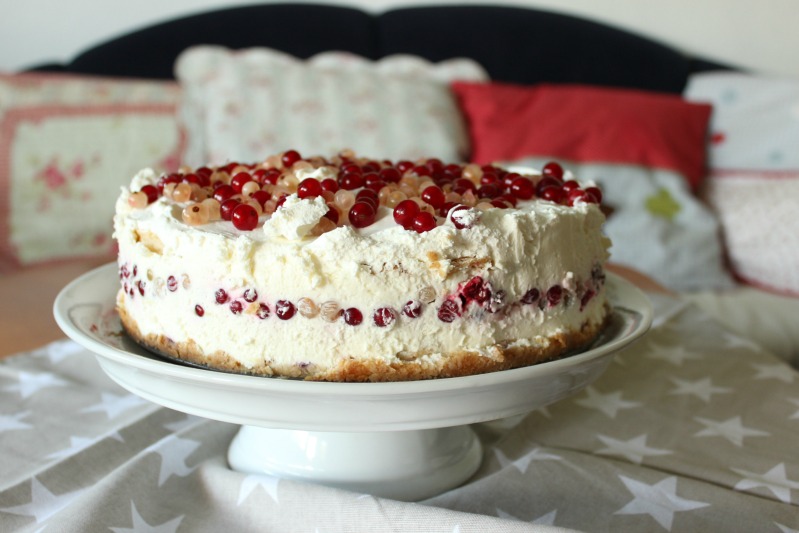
(690, 429)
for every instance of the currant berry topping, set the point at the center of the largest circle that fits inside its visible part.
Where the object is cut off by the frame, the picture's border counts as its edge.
(198, 310)
(250, 295)
(221, 296)
(405, 212)
(172, 283)
(449, 311)
(554, 295)
(309, 188)
(236, 307)
(384, 316)
(412, 309)
(353, 316)
(362, 214)
(423, 222)
(244, 217)
(263, 311)
(553, 169)
(284, 309)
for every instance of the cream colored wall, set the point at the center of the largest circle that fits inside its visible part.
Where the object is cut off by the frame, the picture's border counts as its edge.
(761, 36)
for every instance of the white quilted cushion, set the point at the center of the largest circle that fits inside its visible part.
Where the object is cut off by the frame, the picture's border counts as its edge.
(245, 105)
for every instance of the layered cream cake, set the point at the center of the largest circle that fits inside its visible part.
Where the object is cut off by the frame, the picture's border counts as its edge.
(350, 269)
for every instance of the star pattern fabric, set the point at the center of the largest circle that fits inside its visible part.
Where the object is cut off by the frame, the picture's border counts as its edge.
(660, 500)
(690, 429)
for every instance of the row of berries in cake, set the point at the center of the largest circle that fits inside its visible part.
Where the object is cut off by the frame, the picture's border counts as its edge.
(476, 291)
(421, 194)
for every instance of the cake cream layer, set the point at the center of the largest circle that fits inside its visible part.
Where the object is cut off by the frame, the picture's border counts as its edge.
(273, 300)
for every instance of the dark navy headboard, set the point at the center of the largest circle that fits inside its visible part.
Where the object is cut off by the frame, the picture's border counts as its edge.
(513, 44)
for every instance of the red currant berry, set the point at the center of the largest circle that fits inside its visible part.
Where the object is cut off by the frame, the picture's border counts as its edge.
(309, 188)
(261, 197)
(434, 196)
(353, 316)
(531, 296)
(553, 170)
(329, 184)
(151, 192)
(223, 192)
(405, 212)
(362, 214)
(227, 207)
(221, 296)
(172, 283)
(423, 222)
(576, 195)
(449, 311)
(596, 192)
(385, 316)
(198, 310)
(284, 309)
(236, 307)
(238, 181)
(412, 309)
(390, 175)
(332, 214)
(263, 311)
(522, 188)
(290, 157)
(458, 221)
(368, 195)
(554, 295)
(570, 185)
(461, 185)
(351, 181)
(554, 194)
(250, 295)
(244, 217)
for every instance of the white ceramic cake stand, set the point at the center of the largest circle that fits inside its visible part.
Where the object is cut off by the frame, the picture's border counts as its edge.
(407, 441)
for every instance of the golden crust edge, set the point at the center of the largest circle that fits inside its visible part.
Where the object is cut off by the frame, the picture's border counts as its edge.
(455, 364)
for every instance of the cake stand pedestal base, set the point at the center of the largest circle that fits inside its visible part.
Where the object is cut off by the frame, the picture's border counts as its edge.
(409, 465)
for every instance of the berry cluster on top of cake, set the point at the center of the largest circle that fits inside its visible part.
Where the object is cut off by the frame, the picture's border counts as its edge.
(346, 268)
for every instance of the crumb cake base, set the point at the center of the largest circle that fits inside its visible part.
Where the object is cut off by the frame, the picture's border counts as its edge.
(502, 356)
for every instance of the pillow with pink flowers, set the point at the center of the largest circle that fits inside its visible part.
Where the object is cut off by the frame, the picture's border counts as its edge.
(67, 144)
(753, 182)
(244, 105)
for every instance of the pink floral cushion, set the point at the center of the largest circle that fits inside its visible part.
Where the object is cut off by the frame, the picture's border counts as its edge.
(753, 182)
(244, 105)
(67, 144)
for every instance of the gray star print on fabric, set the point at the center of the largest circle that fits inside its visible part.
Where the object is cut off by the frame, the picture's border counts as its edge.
(251, 482)
(660, 501)
(675, 355)
(30, 383)
(523, 462)
(174, 451)
(547, 519)
(702, 388)
(13, 422)
(60, 350)
(634, 449)
(44, 503)
(114, 405)
(733, 430)
(141, 526)
(775, 480)
(779, 372)
(610, 404)
(795, 401)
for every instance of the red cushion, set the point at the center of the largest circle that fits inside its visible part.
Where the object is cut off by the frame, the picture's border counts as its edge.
(584, 123)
